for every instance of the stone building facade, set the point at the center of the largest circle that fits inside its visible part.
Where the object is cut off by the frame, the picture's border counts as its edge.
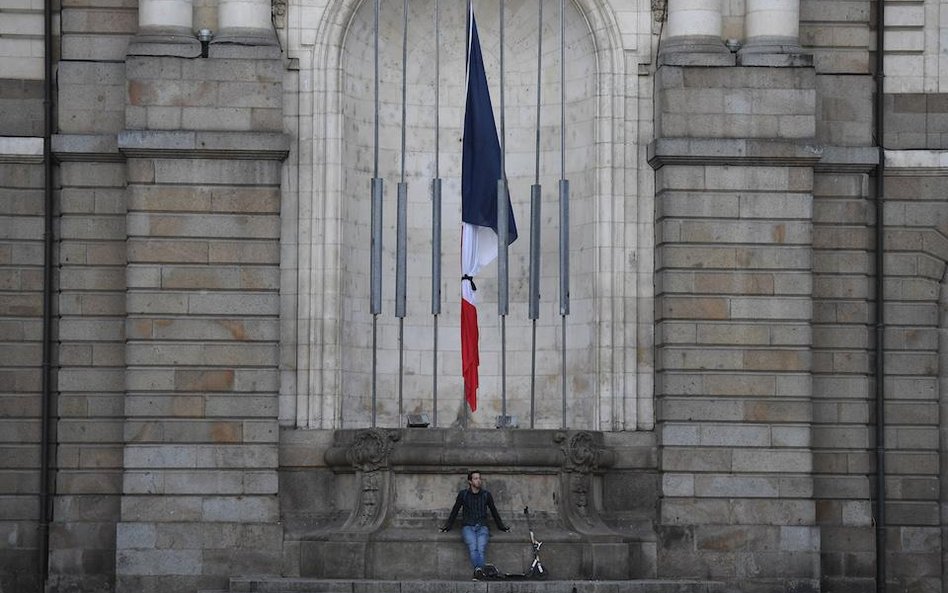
(757, 300)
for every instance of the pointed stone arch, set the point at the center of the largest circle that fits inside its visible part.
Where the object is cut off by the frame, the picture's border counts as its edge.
(617, 388)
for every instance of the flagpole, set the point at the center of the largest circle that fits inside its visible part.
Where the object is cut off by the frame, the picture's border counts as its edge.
(535, 231)
(503, 305)
(401, 232)
(564, 207)
(436, 223)
(467, 82)
(375, 304)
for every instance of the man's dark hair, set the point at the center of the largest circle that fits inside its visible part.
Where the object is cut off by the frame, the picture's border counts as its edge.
(471, 473)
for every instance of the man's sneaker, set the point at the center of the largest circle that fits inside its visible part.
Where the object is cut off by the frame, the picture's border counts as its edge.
(490, 571)
(479, 574)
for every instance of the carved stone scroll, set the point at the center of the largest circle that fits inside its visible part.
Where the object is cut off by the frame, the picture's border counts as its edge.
(369, 454)
(583, 455)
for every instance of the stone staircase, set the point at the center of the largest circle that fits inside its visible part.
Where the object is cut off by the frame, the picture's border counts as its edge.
(298, 585)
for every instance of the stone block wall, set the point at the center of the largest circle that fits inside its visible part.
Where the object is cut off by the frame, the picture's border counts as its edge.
(21, 289)
(916, 121)
(843, 339)
(734, 248)
(916, 252)
(21, 331)
(91, 373)
(734, 303)
(22, 233)
(204, 147)
(91, 283)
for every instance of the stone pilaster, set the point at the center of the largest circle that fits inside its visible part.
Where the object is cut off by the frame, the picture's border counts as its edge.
(21, 328)
(204, 149)
(91, 377)
(734, 165)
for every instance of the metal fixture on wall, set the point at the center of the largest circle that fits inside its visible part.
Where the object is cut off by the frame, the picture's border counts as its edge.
(879, 199)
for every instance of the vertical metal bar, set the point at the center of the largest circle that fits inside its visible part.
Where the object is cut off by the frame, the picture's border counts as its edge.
(436, 222)
(375, 279)
(503, 219)
(401, 225)
(435, 288)
(564, 247)
(564, 211)
(536, 176)
(503, 231)
(401, 250)
(503, 304)
(375, 167)
(47, 477)
(534, 291)
(535, 195)
(503, 130)
(535, 204)
(880, 424)
(401, 263)
(376, 248)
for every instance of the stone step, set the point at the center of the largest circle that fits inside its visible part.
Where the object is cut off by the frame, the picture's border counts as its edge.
(297, 585)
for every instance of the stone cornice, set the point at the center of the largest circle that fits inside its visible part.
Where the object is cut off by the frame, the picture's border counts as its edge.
(916, 162)
(86, 148)
(848, 159)
(21, 150)
(732, 151)
(204, 145)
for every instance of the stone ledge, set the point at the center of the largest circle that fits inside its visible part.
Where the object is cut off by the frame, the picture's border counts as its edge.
(300, 585)
(204, 145)
(848, 159)
(164, 41)
(917, 161)
(25, 150)
(775, 60)
(456, 451)
(725, 151)
(86, 148)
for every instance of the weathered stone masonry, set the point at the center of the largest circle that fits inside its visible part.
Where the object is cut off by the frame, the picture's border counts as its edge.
(206, 243)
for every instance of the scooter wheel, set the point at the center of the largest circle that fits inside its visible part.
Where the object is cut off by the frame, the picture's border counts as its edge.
(539, 575)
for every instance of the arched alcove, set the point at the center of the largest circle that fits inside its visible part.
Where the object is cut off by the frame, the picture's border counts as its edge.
(334, 373)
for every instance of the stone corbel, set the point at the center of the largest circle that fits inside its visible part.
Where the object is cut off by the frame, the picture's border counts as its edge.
(369, 454)
(584, 456)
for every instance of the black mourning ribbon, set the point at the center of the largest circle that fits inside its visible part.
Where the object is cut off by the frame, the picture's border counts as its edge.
(470, 279)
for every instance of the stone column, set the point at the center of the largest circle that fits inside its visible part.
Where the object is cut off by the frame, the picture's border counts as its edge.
(165, 27)
(245, 23)
(772, 27)
(165, 15)
(693, 34)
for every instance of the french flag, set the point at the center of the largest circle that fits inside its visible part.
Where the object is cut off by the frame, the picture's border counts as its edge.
(480, 172)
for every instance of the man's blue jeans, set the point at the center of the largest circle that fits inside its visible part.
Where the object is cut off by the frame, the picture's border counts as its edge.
(476, 536)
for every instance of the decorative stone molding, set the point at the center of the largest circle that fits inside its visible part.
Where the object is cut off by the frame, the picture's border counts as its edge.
(368, 452)
(21, 150)
(371, 449)
(659, 10)
(278, 13)
(732, 151)
(208, 145)
(581, 451)
(584, 454)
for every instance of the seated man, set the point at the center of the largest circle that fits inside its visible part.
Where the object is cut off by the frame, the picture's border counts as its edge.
(475, 501)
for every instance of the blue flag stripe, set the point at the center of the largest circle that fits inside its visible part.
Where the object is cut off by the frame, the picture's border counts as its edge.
(480, 165)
